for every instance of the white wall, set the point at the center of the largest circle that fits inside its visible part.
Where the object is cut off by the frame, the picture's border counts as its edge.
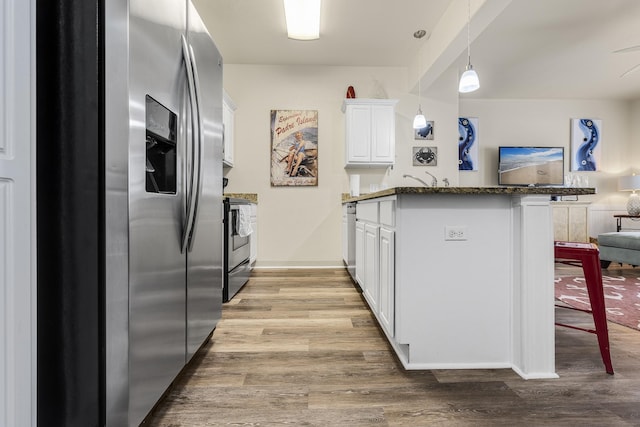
(300, 226)
(440, 105)
(547, 123)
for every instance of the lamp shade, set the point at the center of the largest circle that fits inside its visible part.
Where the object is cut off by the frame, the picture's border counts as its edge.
(469, 81)
(303, 19)
(629, 183)
(419, 121)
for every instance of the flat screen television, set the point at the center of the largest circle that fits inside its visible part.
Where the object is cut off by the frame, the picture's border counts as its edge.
(531, 166)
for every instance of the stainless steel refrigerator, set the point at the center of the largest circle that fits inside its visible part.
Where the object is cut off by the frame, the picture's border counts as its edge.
(130, 204)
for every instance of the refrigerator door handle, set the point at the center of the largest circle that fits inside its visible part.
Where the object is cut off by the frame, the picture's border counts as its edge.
(191, 181)
(200, 143)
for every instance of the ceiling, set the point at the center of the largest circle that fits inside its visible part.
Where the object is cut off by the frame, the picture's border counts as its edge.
(540, 49)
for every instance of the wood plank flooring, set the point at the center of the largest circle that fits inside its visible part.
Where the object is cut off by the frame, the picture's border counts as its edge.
(300, 348)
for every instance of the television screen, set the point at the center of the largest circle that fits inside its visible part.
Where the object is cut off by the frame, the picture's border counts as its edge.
(537, 166)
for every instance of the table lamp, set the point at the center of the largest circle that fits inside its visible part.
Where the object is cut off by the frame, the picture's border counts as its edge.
(631, 183)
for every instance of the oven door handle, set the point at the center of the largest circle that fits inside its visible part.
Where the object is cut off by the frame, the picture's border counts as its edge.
(236, 222)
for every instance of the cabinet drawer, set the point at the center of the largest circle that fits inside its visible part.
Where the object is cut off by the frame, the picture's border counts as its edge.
(367, 211)
(387, 213)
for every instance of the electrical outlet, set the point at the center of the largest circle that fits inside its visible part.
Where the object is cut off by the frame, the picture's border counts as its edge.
(455, 232)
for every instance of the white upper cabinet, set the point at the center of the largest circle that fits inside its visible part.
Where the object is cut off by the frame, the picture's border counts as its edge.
(228, 123)
(370, 137)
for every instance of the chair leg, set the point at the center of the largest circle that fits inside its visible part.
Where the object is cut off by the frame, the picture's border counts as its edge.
(593, 276)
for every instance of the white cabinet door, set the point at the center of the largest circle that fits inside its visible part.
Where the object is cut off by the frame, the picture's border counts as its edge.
(387, 280)
(371, 257)
(228, 123)
(571, 221)
(578, 224)
(560, 223)
(360, 253)
(370, 132)
(382, 134)
(345, 237)
(358, 123)
(253, 243)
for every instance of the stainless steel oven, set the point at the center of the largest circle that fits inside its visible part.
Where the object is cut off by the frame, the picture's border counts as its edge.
(237, 246)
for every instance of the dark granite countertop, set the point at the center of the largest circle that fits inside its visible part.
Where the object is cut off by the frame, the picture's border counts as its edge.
(252, 197)
(554, 191)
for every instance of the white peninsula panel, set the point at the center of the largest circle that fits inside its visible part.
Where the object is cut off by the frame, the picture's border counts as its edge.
(467, 276)
(453, 296)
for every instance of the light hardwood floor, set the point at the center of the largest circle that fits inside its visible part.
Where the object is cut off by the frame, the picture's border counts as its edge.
(300, 348)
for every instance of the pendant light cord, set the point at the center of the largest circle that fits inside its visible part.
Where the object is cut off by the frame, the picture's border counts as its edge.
(419, 90)
(419, 120)
(468, 33)
(419, 35)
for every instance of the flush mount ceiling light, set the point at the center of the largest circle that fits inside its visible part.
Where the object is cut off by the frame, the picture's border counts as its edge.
(419, 121)
(303, 19)
(469, 80)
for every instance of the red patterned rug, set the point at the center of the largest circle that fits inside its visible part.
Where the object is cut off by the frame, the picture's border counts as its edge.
(622, 295)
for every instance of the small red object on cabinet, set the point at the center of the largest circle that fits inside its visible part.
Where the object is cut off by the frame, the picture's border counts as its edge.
(351, 93)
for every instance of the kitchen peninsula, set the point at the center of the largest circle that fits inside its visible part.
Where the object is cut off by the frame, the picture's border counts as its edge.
(462, 277)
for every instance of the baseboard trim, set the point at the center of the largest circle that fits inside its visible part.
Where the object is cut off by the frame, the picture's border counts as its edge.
(301, 267)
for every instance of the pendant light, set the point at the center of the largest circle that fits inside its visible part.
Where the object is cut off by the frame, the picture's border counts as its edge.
(469, 80)
(419, 120)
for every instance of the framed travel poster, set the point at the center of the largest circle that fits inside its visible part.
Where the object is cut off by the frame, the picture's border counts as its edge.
(294, 148)
(585, 145)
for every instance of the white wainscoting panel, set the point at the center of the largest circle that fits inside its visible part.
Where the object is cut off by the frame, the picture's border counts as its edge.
(601, 219)
(5, 306)
(17, 214)
(533, 314)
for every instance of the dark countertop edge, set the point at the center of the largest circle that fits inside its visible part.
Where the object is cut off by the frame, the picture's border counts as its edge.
(553, 191)
(252, 197)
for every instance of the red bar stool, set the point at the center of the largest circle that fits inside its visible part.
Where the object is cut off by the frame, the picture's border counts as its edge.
(587, 256)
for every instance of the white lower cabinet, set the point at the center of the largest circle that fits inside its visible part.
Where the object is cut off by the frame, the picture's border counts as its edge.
(375, 259)
(254, 236)
(447, 304)
(360, 253)
(571, 221)
(371, 255)
(345, 236)
(386, 301)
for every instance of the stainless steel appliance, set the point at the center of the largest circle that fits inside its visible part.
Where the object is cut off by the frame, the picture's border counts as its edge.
(350, 239)
(130, 95)
(237, 248)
